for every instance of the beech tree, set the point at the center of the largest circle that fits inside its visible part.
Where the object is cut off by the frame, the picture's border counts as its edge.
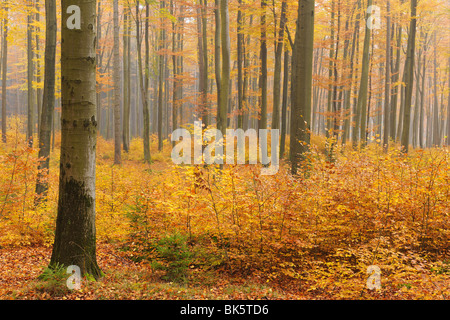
(4, 67)
(75, 234)
(117, 110)
(48, 104)
(363, 86)
(302, 84)
(30, 77)
(409, 76)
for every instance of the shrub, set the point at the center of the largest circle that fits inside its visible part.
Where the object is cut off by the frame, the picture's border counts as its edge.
(175, 256)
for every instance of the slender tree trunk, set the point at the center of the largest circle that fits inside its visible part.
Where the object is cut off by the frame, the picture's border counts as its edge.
(336, 109)
(30, 77)
(356, 115)
(75, 234)
(422, 97)
(415, 129)
(175, 61)
(302, 84)
(436, 136)
(144, 79)
(218, 61)
(262, 123)
(126, 80)
(278, 59)
(99, 65)
(351, 114)
(48, 104)
(363, 88)
(4, 67)
(117, 89)
(346, 98)
(387, 84)
(409, 76)
(284, 104)
(395, 89)
(448, 107)
(402, 105)
(38, 67)
(240, 64)
(203, 62)
(330, 116)
(180, 66)
(226, 65)
(161, 83)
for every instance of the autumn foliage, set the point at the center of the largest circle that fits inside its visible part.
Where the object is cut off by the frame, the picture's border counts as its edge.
(313, 236)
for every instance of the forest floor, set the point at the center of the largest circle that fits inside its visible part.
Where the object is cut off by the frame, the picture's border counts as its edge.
(127, 280)
(238, 235)
(123, 279)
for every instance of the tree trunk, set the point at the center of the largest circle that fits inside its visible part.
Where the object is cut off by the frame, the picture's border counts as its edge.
(262, 124)
(203, 62)
(302, 84)
(144, 80)
(99, 65)
(175, 60)
(363, 88)
(161, 82)
(415, 128)
(126, 80)
(30, 77)
(75, 234)
(117, 89)
(395, 89)
(330, 116)
(226, 65)
(387, 84)
(352, 79)
(409, 76)
(48, 105)
(240, 64)
(277, 75)
(436, 137)
(422, 96)
(284, 103)
(218, 61)
(4, 68)
(38, 68)
(448, 107)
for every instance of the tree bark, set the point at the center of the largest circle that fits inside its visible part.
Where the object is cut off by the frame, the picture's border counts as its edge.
(422, 95)
(262, 124)
(226, 65)
(117, 89)
(30, 77)
(161, 82)
(448, 107)
(277, 75)
(126, 80)
(284, 104)
(48, 105)
(240, 64)
(395, 89)
(38, 68)
(302, 84)
(363, 88)
(144, 80)
(203, 62)
(387, 84)
(75, 234)
(218, 61)
(4, 68)
(409, 76)
(436, 136)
